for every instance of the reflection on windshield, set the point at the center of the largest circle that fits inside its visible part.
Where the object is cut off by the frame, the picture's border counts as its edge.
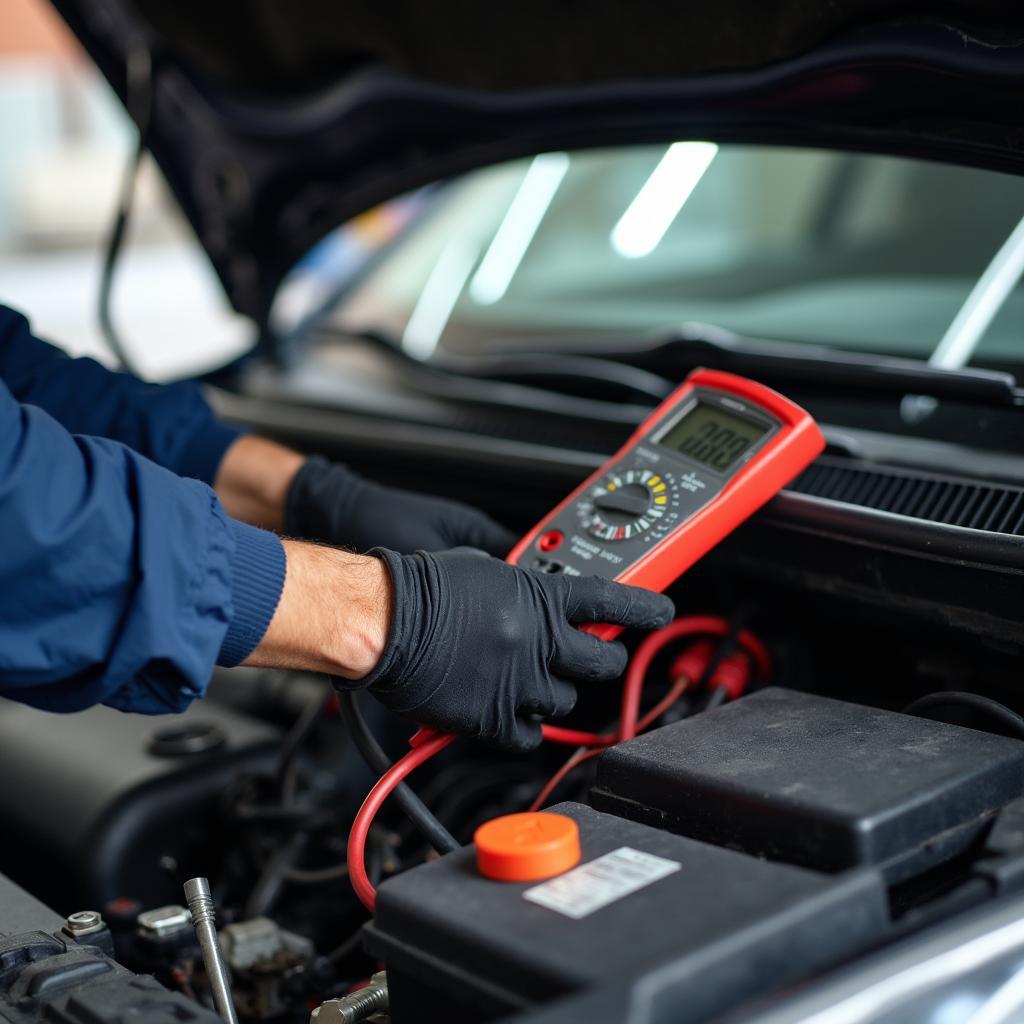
(518, 226)
(856, 251)
(661, 197)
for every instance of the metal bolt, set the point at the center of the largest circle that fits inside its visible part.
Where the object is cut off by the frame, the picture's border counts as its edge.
(164, 921)
(356, 1006)
(85, 922)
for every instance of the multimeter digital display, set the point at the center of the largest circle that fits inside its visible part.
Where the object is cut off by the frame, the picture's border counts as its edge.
(710, 455)
(711, 435)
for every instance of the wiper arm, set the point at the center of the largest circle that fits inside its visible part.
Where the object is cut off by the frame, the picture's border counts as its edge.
(721, 349)
(987, 298)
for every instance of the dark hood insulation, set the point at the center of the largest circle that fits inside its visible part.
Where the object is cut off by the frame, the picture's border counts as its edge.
(303, 45)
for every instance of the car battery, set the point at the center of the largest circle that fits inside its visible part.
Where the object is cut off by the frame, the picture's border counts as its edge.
(816, 782)
(459, 946)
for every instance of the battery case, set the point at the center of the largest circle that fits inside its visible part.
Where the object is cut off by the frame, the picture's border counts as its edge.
(817, 782)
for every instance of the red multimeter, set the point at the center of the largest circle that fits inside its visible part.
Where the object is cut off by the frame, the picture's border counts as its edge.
(709, 456)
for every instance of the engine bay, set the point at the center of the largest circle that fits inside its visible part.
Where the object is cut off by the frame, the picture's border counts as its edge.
(804, 794)
(817, 763)
(784, 819)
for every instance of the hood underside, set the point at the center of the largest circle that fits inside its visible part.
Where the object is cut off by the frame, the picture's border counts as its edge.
(275, 122)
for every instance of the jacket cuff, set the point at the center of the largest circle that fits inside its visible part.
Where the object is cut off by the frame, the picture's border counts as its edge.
(202, 456)
(257, 579)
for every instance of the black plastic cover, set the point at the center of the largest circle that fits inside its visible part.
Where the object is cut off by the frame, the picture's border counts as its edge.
(727, 924)
(92, 801)
(816, 782)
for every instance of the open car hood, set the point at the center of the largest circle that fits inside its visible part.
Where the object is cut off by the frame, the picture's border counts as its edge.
(274, 122)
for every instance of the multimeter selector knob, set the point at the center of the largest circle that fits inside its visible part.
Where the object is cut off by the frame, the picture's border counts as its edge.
(625, 504)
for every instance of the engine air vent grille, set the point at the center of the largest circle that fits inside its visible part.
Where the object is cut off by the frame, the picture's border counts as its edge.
(955, 501)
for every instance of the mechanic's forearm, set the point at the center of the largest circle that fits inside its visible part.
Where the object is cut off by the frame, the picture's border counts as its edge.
(253, 479)
(333, 616)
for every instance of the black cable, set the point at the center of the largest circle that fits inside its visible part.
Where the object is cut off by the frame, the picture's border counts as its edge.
(278, 869)
(294, 741)
(292, 816)
(414, 808)
(316, 876)
(268, 886)
(138, 94)
(1007, 718)
(726, 648)
(347, 948)
(485, 778)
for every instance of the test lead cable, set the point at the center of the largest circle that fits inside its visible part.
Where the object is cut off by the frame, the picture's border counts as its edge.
(415, 809)
(428, 742)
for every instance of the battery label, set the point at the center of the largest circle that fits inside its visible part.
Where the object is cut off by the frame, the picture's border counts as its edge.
(592, 886)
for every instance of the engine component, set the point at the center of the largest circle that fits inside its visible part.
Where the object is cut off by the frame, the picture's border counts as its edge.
(84, 922)
(46, 974)
(160, 942)
(815, 782)
(642, 901)
(260, 941)
(200, 903)
(269, 967)
(356, 1006)
(164, 923)
(113, 811)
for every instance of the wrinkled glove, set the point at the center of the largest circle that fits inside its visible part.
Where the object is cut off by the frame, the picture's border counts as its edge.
(478, 646)
(328, 502)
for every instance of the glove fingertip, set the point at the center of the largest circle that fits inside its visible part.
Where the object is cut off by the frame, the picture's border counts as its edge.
(565, 696)
(649, 610)
(617, 658)
(526, 736)
(664, 610)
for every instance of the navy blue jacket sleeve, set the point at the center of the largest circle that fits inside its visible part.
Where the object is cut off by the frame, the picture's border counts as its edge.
(170, 424)
(120, 582)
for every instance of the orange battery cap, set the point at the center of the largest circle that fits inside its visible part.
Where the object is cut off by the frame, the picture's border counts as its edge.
(527, 847)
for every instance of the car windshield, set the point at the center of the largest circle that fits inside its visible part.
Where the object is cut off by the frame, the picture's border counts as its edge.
(855, 251)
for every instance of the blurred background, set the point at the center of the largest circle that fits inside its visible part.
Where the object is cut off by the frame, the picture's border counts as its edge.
(64, 144)
(860, 251)
(64, 141)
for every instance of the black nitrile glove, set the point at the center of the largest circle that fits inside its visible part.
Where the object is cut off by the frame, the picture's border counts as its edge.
(478, 646)
(328, 502)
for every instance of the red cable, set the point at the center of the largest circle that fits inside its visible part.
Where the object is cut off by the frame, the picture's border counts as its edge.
(581, 755)
(679, 687)
(572, 737)
(425, 744)
(575, 738)
(651, 645)
(585, 753)
(690, 625)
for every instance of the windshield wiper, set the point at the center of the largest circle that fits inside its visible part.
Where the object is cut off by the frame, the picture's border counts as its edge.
(582, 376)
(717, 348)
(962, 337)
(642, 369)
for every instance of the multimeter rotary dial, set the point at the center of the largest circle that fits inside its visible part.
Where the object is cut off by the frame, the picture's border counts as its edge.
(628, 503)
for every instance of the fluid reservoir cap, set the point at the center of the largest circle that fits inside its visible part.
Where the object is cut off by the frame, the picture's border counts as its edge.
(527, 847)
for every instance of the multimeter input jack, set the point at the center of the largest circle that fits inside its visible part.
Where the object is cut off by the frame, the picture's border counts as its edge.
(548, 566)
(551, 540)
